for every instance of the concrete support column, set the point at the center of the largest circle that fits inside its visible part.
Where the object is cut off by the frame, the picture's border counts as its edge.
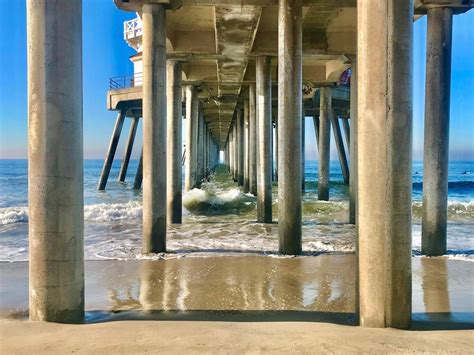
(128, 149)
(174, 138)
(385, 53)
(192, 106)
(303, 179)
(154, 128)
(137, 183)
(289, 125)
(347, 130)
(325, 113)
(252, 141)
(231, 152)
(109, 158)
(246, 147)
(275, 163)
(236, 150)
(316, 129)
(200, 148)
(353, 155)
(264, 150)
(240, 147)
(55, 161)
(340, 147)
(436, 144)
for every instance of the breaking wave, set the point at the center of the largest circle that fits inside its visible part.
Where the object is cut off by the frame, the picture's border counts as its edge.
(208, 202)
(96, 213)
(202, 202)
(457, 210)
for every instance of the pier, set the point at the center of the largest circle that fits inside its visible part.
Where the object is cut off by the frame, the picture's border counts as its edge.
(235, 70)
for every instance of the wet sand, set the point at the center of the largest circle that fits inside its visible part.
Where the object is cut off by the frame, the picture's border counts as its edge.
(240, 303)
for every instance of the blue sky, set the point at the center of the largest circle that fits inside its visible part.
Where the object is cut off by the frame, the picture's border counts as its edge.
(106, 55)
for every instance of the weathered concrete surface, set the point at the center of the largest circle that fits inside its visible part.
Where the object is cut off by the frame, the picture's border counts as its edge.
(436, 144)
(137, 182)
(303, 180)
(353, 145)
(174, 153)
(192, 105)
(341, 152)
(154, 128)
(109, 158)
(55, 161)
(240, 147)
(325, 114)
(252, 141)
(289, 125)
(246, 146)
(385, 51)
(264, 143)
(219, 41)
(128, 149)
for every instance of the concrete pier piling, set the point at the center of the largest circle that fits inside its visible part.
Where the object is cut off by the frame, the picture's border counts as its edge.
(174, 142)
(246, 147)
(235, 149)
(325, 113)
(231, 152)
(316, 129)
(275, 154)
(385, 52)
(200, 147)
(192, 106)
(347, 131)
(341, 152)
(252, 141)
(137, 182)
(436, 144)
(303, 179)
(55, 158)
(128, 149)
(154, 128)
(264, 142)
(289, 125)
(109, 158)
(240, 147)
(353, 147)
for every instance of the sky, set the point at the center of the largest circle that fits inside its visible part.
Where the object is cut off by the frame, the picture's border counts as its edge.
(105, 55)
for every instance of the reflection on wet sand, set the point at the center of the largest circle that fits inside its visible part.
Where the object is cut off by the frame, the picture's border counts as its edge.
(245, 287)
(323, 284)
(435, 285)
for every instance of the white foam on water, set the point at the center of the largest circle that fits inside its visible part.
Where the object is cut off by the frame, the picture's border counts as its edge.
(10, 215)
(113, 212)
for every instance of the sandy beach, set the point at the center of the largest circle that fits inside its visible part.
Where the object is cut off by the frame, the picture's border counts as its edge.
(240, 303)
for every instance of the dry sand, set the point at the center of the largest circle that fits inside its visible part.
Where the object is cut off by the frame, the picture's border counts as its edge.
(240, 304)
(130, 337)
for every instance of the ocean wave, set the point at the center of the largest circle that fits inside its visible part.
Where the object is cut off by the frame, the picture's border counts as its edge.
(201, 202)
(457, 210)
(97, 213)
(210, 202)
(113, 212)
(10, 215)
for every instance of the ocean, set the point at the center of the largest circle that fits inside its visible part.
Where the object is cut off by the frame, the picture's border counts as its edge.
(219, 218)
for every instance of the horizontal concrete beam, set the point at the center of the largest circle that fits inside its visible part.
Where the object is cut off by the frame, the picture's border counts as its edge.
(136, 5)
(458, 6)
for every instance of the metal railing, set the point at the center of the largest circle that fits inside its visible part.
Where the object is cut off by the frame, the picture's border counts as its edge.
(132, 28)
(125, 81)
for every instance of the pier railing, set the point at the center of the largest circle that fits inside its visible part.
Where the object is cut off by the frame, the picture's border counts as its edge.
(132, 28)
(125, 81)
